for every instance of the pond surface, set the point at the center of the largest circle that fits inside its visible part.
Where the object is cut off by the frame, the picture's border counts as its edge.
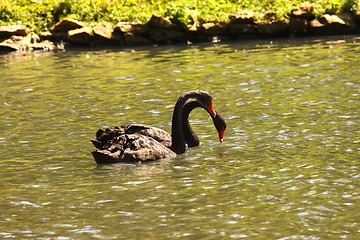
(289, 167)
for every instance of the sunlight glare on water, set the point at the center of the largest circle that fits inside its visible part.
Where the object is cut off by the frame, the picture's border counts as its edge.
(288, 168)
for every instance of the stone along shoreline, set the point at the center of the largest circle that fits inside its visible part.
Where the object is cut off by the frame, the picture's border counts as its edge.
(159, 30)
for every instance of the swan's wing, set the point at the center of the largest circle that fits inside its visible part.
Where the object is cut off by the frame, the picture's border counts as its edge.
(105, 156)
(97, 144)
(133, 148)
(153, 132)
(104, 137)
(108, 134)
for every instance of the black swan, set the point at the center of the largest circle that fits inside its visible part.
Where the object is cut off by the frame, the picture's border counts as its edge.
(138, 142)
(106, 138)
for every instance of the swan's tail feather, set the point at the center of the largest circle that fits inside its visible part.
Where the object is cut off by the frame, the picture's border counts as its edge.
(105, 157)
(97, 144)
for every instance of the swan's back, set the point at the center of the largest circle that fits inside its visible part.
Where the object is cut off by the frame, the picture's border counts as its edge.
(105, 138)
(132, 148)
(131, 143)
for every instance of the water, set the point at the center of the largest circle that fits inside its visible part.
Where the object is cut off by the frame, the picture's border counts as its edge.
(288, 168)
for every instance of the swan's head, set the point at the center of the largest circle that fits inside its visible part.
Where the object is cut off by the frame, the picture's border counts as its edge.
(220, 125)
(206, 100)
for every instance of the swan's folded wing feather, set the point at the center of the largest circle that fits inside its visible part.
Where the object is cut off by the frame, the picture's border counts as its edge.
(134, 148)
(156, 133)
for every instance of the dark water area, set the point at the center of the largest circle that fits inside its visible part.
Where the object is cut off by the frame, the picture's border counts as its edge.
(289, 166)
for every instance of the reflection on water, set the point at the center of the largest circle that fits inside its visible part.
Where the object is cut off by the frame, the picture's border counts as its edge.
(288, 168)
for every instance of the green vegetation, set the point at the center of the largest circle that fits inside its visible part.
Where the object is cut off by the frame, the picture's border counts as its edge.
(41, 15)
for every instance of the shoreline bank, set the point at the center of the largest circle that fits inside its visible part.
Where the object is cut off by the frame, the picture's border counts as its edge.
(159, 30)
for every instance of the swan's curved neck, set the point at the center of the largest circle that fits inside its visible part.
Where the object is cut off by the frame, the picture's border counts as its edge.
(177, 136)
(191, 139)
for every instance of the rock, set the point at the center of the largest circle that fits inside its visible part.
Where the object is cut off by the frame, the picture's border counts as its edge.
(213, 29)
(244, 17)
(242, 28)
(16, 43)
(19, 43)
(136, 40)
(139, 29)
(55, 36)
(44, 45)
(315, 26)
(273, 28)
(158, 29)
(157, 21)
(298, 26)
(8, 47)
(103, 31)
(300, 17)
(194, 20)
(349, 20)
(13, 30)
(306, 12)
(329, 19)
(214, 32)
(133, 28)
(83, 36)
(123, 27)
(161, 35)
(333, 24)
(193, 27)
(67, 25)
(131, 33)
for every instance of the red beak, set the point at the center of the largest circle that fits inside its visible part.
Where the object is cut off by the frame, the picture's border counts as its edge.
(221, 135)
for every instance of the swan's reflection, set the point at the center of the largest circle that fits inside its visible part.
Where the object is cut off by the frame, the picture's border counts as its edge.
(138, 169)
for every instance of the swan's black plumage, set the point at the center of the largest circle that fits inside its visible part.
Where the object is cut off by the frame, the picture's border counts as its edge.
(136, 142)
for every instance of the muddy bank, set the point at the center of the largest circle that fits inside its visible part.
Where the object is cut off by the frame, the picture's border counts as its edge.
(159, 30)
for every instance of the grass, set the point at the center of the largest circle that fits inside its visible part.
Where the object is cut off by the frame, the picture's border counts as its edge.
(41, 15)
